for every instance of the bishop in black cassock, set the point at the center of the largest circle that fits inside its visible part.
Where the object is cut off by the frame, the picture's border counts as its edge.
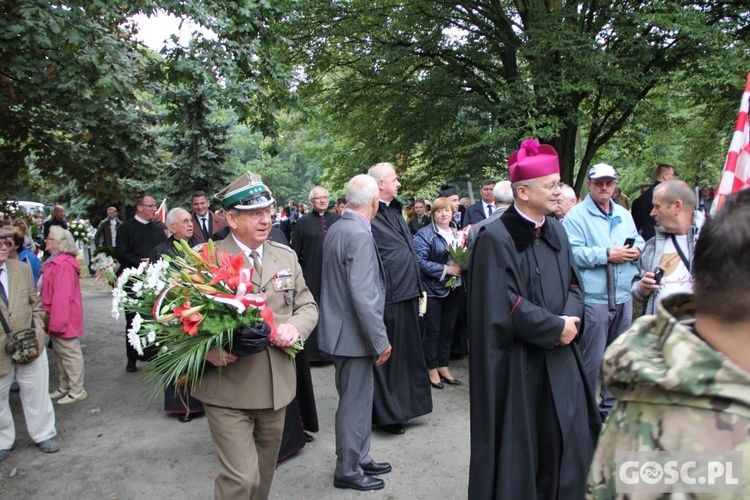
(534, 420)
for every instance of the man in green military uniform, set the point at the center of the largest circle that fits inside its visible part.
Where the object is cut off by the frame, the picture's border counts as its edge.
(246, 402)
(682, 377)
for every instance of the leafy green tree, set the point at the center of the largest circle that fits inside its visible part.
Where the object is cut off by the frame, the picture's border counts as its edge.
(453, 86)
(196, 137)
(73, 77)
(67, 105)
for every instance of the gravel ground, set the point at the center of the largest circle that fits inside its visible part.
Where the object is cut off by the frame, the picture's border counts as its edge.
(119, 444)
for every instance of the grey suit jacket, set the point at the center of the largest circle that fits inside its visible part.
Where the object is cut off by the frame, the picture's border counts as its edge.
(474, 230)
(23, 304)
(352, 297)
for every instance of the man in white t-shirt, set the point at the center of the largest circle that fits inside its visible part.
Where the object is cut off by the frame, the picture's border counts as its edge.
(671, 251)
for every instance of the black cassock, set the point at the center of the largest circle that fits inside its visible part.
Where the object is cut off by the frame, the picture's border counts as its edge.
(307, 243)
(402, 386)
(534, 421)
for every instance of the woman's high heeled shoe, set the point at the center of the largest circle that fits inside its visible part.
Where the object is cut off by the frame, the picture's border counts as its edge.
(449, 381)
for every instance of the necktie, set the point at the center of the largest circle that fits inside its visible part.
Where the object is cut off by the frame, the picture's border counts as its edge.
(3, 295)
(256, 264)
(204, 223)
(489, 209)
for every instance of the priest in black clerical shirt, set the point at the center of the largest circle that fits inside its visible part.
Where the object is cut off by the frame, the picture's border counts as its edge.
(136, 239)
(307, 242)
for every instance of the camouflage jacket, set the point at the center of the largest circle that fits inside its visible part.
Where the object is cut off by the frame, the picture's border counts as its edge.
(675, 393)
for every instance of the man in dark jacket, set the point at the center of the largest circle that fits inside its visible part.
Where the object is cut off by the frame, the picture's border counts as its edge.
(482, 209)
(402, 389)
(106, 233)
(136, 239)
(534, 420)
(643, 205)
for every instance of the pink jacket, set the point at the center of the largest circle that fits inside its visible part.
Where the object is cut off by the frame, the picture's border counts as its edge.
(61, 296)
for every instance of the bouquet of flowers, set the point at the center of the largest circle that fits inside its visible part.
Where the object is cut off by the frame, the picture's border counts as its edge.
(105, 268)
(80, 229)
(187, 305)
(459, 254)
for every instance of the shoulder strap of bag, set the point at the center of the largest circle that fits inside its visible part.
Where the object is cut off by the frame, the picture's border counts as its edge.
(5, 324)
(684, 259)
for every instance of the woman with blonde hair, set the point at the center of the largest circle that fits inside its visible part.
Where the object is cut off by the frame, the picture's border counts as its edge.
(61, 300)
(431, 246)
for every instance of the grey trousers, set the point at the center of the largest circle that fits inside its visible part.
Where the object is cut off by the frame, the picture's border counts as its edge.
(355, 385)
(601, 327)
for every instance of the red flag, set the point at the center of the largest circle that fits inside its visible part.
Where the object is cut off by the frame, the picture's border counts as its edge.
(736, 174)
(161, 212)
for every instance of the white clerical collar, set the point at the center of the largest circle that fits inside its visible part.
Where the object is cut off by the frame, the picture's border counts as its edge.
(141, 220)
(537, 224)
(387, 203)
(246, 249)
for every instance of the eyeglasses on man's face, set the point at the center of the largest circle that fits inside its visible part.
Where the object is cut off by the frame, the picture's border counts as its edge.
(6, 243)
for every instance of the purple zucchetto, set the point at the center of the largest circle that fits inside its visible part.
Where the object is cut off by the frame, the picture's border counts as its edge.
(533, 160)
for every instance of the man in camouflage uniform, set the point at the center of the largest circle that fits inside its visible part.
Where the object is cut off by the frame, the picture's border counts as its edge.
(682, 377)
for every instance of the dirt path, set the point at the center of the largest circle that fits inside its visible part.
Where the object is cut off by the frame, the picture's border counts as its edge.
(119, 444)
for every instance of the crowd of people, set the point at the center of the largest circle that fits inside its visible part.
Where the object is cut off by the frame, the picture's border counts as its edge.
(543, 303)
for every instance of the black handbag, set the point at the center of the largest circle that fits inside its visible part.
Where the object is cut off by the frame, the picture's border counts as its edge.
(22, 345)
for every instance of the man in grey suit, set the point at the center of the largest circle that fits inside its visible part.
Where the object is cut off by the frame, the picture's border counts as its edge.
(352, 330)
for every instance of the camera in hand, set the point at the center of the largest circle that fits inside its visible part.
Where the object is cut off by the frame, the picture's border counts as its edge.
(658, 275)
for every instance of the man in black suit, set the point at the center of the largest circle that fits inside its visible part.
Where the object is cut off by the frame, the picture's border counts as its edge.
(352, 330)
(482, 209)
(205, 222)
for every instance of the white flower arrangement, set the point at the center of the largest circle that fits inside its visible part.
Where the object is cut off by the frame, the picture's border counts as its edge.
(79, 228)
(105, 268)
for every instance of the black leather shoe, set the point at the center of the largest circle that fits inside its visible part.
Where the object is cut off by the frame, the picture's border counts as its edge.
(375, 469)
(394, 428)
(185, 417)
(364, 483)
(131, 366)
(439, 385)
(450, 381)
